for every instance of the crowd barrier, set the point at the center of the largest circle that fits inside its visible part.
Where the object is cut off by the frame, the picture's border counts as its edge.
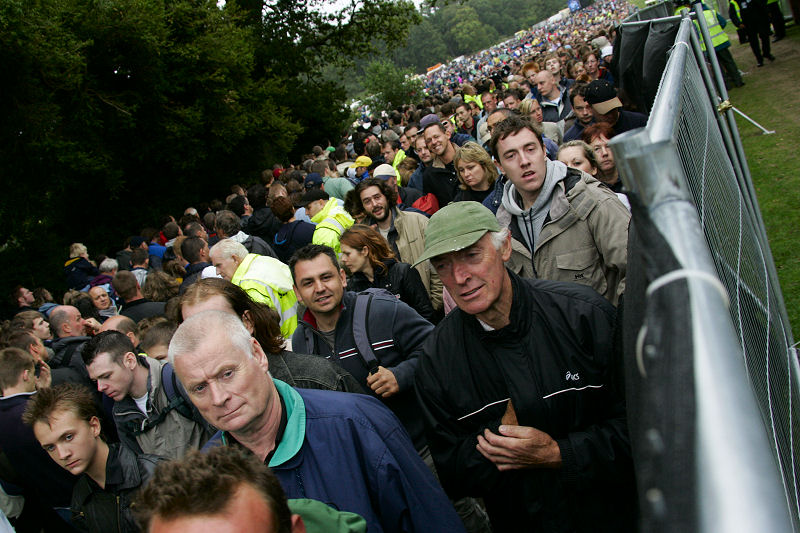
(711, 373)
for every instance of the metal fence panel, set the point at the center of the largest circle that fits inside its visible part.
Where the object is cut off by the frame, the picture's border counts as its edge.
(743, 360)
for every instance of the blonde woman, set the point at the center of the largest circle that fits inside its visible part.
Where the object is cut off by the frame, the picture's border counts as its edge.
(476, 173)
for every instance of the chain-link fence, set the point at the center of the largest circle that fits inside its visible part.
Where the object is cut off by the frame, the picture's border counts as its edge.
(712, 376)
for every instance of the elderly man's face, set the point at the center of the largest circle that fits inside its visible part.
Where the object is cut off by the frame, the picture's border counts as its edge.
(227, 384)
(226, 266)
(100, 298)
(475, 276)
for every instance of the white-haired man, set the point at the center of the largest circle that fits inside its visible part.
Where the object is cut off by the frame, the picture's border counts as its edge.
(347, 450)
(516, 391)
(265, 279)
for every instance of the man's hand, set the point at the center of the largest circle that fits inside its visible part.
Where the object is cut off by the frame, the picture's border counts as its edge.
(519, 447)
(383, 383)
(92, 326)
(44, 380)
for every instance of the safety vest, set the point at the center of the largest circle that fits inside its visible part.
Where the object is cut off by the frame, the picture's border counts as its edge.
(718, 35)
(331, 222)
(735, 5)
(477, 99)
(398, 158)
(268, 281)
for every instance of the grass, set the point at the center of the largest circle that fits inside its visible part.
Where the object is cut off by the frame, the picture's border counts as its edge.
(770, 97)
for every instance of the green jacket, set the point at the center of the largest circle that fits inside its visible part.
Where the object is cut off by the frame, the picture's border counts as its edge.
(267, 280)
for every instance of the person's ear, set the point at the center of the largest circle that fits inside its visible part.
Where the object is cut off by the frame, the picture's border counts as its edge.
(505, 250)
(260, 355)
(343, 276)
(129, 360)
(247, 320)
(95, 426)
(298, 526)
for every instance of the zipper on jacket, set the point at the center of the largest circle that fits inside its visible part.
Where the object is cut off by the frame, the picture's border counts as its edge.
(119, 519)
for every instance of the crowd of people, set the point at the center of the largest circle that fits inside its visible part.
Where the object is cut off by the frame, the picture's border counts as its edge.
(413, 330)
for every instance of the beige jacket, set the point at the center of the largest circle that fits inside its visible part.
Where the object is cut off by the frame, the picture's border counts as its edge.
(410, 242)
(583, 240)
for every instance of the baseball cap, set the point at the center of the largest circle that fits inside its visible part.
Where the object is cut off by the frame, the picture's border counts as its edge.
(314, 195)
(361, 161)
(312, 180)
(427, 120)
(455, 227)
(607, 51)
(603, 96)
(384, 171)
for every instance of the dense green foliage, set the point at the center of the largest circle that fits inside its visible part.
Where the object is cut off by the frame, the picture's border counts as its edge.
(455, 29)
(117, 111)
(390, 86)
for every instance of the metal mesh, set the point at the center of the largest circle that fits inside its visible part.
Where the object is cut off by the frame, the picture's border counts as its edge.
(690, 152)
(660, 10)
(741, 264)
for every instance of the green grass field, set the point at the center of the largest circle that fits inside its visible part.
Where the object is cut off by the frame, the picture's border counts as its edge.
(770, 97)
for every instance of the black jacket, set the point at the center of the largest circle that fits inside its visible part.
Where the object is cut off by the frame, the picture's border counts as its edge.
(292, 236)
(553, 362)
(79, 272)
(262, 224)
(143, 308)
(401, 280)
(193, 272)
(257, 245)
(106, 510)
(67, 354)
(40, 477)
(441, 182)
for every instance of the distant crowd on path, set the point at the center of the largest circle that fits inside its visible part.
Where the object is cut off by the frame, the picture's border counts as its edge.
(410, 331)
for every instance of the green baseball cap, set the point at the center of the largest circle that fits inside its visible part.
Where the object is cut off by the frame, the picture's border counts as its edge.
(455, 227)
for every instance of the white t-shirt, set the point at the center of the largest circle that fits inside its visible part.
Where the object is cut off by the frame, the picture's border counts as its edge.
(141, 403)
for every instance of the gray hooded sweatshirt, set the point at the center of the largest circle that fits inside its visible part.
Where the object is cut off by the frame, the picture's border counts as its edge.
(530, 222)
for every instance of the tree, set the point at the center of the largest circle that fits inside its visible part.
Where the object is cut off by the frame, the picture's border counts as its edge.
(388, 86)
(119, 111)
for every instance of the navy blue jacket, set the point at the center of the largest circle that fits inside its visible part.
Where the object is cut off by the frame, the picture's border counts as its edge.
(41, 476)
(354, 455)
(397, 334)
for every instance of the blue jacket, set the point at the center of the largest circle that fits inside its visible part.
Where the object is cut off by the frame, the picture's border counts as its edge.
(350, 452)
(397, 334)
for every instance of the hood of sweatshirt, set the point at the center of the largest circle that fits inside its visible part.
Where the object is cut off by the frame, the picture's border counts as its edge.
(531, 221)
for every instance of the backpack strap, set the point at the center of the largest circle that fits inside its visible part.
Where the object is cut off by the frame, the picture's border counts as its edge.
(360, 314)
(174, 397)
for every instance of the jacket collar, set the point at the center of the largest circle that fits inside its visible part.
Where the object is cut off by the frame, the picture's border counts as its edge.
(295, 433)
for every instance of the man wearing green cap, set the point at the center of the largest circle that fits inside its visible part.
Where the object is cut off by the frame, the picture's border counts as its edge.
(515, 388)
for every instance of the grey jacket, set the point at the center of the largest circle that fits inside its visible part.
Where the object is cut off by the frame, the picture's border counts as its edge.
(175, 435)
